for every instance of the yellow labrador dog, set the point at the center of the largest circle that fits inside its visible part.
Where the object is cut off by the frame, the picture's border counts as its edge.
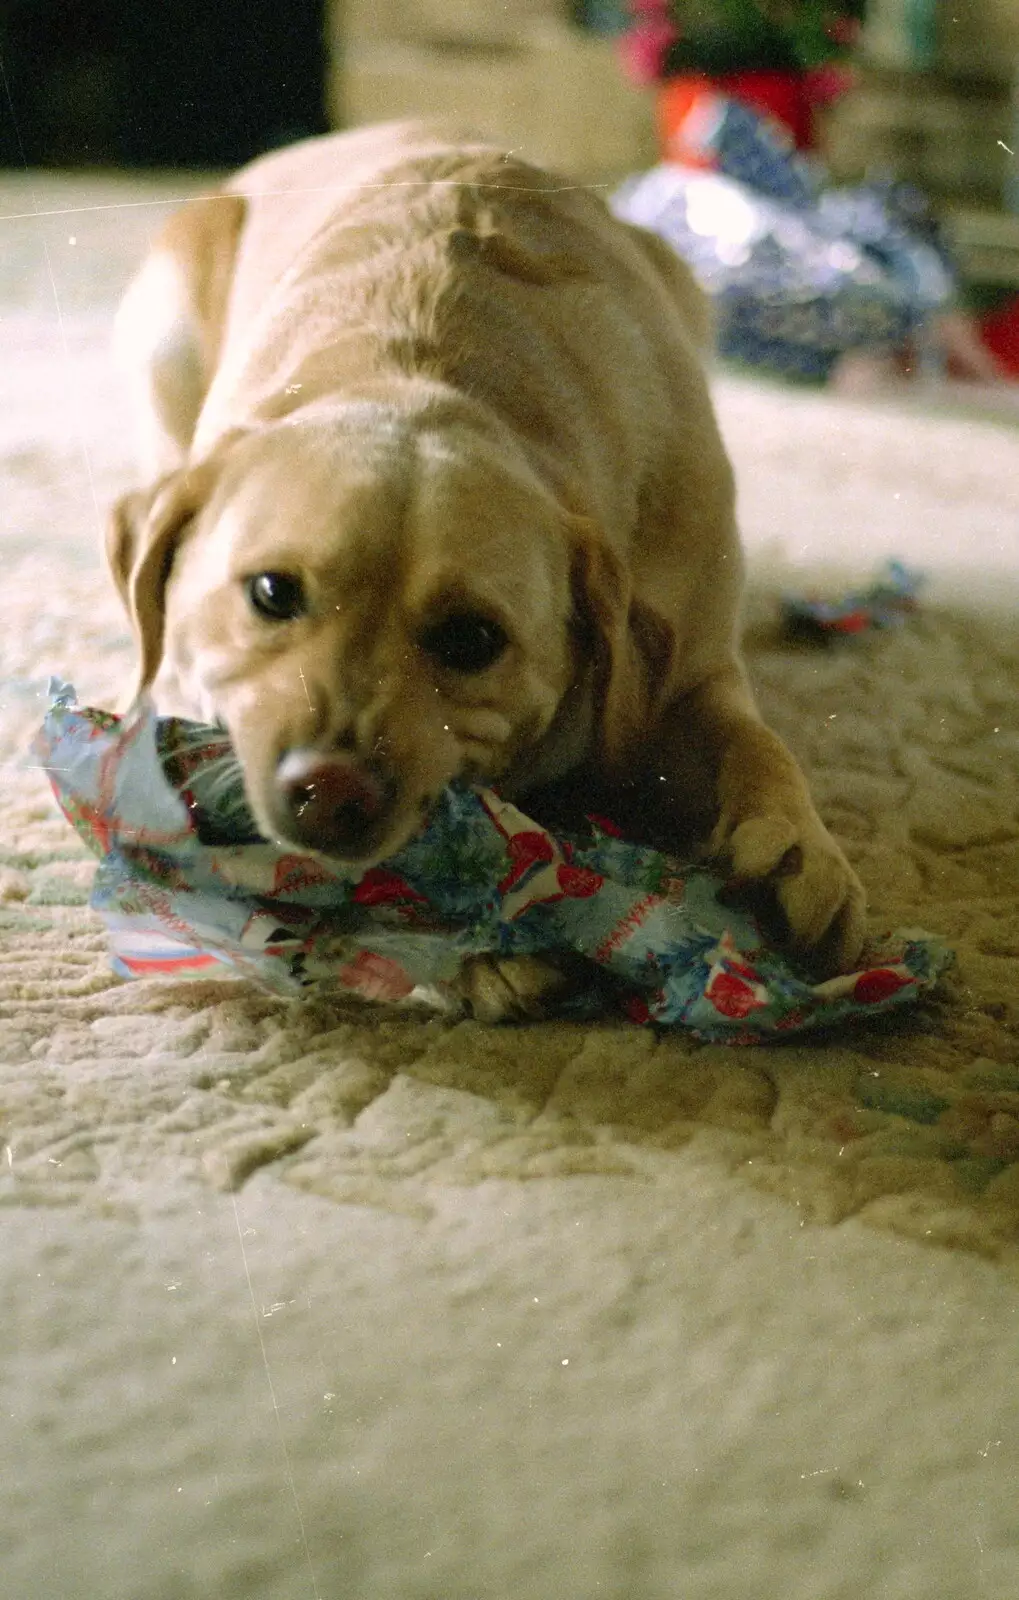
(437, 492)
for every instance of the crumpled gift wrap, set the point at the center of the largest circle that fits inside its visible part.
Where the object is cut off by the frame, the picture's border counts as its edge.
(184, 884)
(887, 602)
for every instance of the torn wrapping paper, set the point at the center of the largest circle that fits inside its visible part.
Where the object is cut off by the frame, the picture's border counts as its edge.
(885, 603)
(185, 886)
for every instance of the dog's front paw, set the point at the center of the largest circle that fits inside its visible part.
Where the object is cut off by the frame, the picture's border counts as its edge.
(512, 988)
(821, 899)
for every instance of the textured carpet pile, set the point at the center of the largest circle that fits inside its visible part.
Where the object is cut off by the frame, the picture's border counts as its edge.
(445, 1224)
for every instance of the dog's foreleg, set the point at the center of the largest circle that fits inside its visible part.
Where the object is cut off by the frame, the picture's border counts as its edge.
(767, 830)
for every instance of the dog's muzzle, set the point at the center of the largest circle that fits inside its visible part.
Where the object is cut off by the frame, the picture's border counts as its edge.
(332, 803)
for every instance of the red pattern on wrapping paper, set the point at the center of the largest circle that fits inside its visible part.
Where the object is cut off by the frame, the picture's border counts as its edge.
(380, 887)
(293, 873)
(81, 815)
(627, 927)
(578, 883)
(740, 968)
(878, 984)
(852, 622)
(157, 867)
(570, 883)
(159, 903)
(792, 1019)
(525, 850)
(732, 995)
(170, 966)
(605, 825)
(98, 822)
(376, 977)
(736, 960)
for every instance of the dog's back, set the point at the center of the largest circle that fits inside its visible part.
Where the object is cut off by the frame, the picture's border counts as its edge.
(392, 256)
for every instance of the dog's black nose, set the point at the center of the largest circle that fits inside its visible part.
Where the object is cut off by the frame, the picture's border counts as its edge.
(332, 801)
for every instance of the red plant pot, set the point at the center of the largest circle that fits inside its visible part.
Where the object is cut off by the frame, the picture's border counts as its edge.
(684, 101)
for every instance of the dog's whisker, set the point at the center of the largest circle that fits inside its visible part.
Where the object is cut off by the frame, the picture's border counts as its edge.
(223, 777)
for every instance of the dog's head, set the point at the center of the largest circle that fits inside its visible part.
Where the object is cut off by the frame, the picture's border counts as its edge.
(373, 612)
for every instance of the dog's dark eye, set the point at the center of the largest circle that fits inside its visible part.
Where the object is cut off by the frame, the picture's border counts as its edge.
(276, 595)
(464, 642)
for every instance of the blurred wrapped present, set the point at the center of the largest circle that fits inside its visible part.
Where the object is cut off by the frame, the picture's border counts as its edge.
(799, 275)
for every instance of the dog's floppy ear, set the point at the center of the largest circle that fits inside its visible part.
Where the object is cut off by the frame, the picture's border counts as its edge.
(143, 534)
(634, 641)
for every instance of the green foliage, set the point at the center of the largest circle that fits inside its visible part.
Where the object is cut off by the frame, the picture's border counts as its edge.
(723, 36)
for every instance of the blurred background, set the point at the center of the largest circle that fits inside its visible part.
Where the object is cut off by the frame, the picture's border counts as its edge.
(921, 92)
(191, 83)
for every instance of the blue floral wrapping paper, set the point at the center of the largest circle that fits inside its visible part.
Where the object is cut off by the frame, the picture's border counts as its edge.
(184, 884)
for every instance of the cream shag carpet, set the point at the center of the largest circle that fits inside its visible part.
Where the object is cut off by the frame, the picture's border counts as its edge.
(312, 1301)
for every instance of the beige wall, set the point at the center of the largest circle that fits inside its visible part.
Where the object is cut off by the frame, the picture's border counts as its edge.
(974, 38)
(979, 37)
(949, 132)
(519, 72)
(427, 21)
